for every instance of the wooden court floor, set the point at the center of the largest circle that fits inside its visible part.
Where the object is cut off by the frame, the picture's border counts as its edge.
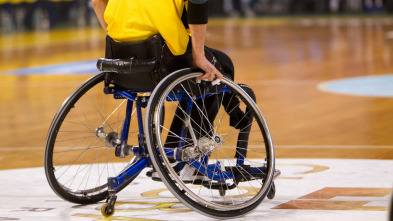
(282, 59)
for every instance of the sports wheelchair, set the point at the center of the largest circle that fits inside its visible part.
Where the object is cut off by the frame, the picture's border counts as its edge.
(218, 161)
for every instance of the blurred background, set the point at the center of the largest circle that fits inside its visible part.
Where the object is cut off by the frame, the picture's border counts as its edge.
(43, 15)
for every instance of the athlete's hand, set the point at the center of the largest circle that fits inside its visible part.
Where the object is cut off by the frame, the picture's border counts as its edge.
(211, 72)
(198, 33)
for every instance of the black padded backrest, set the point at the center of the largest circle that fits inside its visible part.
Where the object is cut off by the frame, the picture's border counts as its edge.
(130, 54)
(146, 49)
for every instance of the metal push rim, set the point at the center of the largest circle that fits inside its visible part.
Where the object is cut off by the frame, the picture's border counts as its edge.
(157, 118)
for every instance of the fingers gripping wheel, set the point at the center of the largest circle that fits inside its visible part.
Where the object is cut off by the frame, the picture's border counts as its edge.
(219, 136)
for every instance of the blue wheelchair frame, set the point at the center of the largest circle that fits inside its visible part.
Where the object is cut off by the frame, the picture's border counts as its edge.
(213, 172)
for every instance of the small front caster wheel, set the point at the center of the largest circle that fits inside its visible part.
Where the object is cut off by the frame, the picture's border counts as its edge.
(107, 210)
(272, 191)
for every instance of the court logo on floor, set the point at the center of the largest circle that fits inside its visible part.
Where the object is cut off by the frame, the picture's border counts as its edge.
(331, 198)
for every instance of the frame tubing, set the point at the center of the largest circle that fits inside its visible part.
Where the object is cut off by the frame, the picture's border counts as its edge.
(183, 132)
(140, 123)
(127, 122)
(114, 183)
(126, 95)
(207, 172)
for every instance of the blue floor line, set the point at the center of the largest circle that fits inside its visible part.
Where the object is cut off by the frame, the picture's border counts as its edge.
(71, 68)
(373, 86)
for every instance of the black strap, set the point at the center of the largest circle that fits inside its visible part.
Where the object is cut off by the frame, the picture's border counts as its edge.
(198, 13)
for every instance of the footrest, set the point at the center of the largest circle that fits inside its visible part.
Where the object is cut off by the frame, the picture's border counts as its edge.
(246, 172)
(218, 186)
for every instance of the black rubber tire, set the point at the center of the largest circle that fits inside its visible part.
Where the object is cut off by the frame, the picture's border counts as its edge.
(222, 192)
(53, 135)
(162, 170)
(272, 191)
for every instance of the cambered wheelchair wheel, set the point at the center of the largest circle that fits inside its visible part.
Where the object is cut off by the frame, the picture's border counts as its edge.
(219, 155)
(79, 157)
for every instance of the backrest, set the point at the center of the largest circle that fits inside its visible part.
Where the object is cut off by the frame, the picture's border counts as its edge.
(146, 49)
(135, 79)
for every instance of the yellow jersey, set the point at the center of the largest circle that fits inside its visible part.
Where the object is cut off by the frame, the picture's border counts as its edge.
(136, 20)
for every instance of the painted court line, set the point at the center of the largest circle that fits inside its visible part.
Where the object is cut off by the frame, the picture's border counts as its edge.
(251, 146)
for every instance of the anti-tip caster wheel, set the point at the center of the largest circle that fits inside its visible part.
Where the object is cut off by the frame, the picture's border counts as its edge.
(272, 191)
(222, 192)
(107, 210)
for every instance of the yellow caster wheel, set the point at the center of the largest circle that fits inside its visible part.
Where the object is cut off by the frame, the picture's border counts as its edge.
(107, 210)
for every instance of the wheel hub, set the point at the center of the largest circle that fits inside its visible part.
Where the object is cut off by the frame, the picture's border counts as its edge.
(207, 145)
(204, 146)
(100, 132)
(111, 139)
(218, 140)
